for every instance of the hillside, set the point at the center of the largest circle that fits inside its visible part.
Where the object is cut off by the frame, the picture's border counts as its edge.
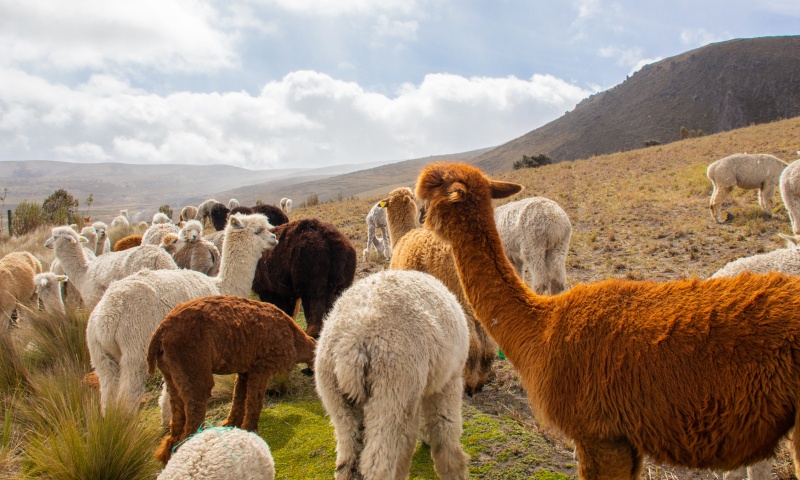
(715, 88)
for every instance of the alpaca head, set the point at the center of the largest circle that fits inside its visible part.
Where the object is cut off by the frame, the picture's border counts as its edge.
(397, 197)
(191, 231)
(47, 279)
(457, 194)
(172, 243)
(87, 221)
(100, 228)
(124, 213)
(63, 236)
(90, 234)
(254, 226)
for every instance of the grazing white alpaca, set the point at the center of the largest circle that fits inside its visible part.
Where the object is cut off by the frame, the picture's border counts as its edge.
(48, 286)
(286, 204)
(391, 354)
(121, 220)
(535, 233)
(376, 219)
(92, 278)
(221, 453)
(120, 327)
(790, 193)
(746, 171)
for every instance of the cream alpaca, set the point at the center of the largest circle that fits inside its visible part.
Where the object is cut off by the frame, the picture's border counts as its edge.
(103, 242)
(119, 328)
(121, 220)
(536, 233)
(17, 272)
(790, 193)
(376, 220)
(714, 359)
(48, 286)
(92, 278)
(417, 249)
(391, 354)
(747, 171)
(155, 232)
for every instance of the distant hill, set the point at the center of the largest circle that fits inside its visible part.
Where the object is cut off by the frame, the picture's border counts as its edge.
(715, 88)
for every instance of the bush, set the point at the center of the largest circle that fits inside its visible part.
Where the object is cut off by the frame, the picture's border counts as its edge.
(533, 162)
(27, 217)
(312, 200)
(652, 143)
(61, 208)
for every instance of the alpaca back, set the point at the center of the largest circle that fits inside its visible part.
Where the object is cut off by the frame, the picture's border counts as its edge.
(154, 234)
(746, 171)
(393, 329)
(783, 260)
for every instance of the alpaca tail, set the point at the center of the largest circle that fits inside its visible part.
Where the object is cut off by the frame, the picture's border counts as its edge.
(352, 370)
(154, 351)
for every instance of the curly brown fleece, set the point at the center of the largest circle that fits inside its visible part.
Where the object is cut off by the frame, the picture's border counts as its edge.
(313, 262)
(222, 334)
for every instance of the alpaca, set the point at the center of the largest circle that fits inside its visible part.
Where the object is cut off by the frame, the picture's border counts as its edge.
(92, 278)
(221, 453)
(219, 214)
(313, 262)
(535, 232)
(161, 218)
(155, 232)
(418, 249)
(121, 220)
(70, 296)
(784, 260)
(87, 221)
(747, 171)
(286, 205)
(204, 210)
(193, 253)
(17, 286)
(714, 359)
(120, 327)
(233, 203)
(90, 234)
(125, 243)
(103, 242)
(391, 354)
(48, 287)
(790, 193)
(226, 335)
(376, 219)
(188, 212)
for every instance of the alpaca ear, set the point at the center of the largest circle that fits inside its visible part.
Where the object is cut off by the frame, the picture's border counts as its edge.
(383, 203)
(791, 240)
(457, 192)
(82, 239)
(504, 189)
(62, 278)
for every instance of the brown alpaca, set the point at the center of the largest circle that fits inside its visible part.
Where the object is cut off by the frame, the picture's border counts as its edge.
(418, 249)
(127, 242)
(87, 221)
(703, 374)
(222, 334)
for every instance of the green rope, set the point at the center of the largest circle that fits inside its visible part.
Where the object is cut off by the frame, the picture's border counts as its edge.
(208, 426)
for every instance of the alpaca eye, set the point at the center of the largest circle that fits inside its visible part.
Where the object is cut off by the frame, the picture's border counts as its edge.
(258, 232)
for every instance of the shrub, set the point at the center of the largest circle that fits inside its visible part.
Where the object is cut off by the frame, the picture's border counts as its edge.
(651, 143)
(533, 162)
(28, 216)
(61, 208)
(312, 200)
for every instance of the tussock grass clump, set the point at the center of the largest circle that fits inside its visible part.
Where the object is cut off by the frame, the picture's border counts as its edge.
(69, 438)
(13, 372)
(56, 338)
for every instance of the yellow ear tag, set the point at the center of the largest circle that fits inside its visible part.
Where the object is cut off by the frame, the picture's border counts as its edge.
(234, 221)
(382, 204)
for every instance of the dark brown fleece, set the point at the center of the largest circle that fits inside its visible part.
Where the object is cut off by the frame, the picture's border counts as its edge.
(219, 214)
(313, 262)
(222, 334)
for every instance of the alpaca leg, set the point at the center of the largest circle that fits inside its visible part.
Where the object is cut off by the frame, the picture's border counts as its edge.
(132, 382)
(555, 263)
(387, 244)
(608, 460)
(765, 195)
(535, 269)
(718, 197)
(257, 384)
(165, 405)
(390, 435)
(441, 416)
(315, 309)
(177, 421)
(107, 370)
(236, 414)
(347, 420)
(370, 239)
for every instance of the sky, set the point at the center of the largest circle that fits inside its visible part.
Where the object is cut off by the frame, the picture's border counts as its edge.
(265, 84)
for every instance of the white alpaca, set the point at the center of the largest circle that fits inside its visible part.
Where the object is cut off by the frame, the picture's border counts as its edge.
(390, 354)
(103, 242)
(92, 278)
(155, 232)
(536, 233)
(119, 328)
(17, 272)
(286, 204)
(233, 203)
(221, 453)
(784, 260)
(121, 220)
(790, 193)
(48, 286)
(747, 171)
(376, 219)
(161, 219)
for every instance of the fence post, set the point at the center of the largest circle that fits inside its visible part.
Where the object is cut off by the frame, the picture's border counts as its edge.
(9, 223)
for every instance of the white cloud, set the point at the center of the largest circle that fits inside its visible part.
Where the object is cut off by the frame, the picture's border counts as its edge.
(643, 62)
(306, 118)
(343, 7)
(169, 35)
(623, 56)
(396, 29)
(698, 37)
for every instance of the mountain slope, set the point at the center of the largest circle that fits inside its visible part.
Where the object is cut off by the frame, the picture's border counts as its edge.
(715, 88)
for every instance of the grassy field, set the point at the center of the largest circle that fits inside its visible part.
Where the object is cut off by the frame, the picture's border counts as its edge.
(641, 215)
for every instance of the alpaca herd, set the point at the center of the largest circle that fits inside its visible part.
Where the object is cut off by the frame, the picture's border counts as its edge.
(696, 373)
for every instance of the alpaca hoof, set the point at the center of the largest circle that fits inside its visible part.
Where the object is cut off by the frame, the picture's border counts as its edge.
(468, 391)
(307, 372)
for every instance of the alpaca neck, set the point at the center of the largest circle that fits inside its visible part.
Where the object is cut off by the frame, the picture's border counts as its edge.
(510, 312)
(399, 223)
(237, 269)
(73, 261)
